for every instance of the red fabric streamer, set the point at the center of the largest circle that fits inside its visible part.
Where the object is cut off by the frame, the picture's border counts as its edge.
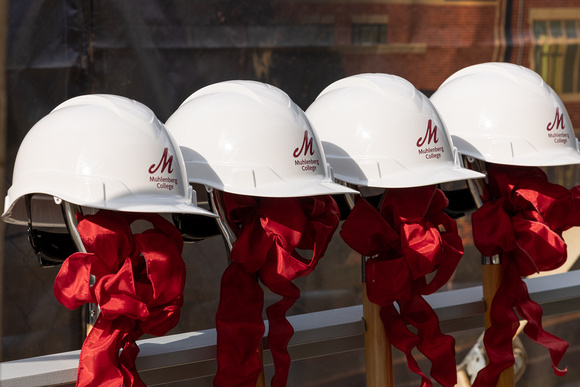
(270, 230)
(523, 223)
(410, 238)
(139, 289)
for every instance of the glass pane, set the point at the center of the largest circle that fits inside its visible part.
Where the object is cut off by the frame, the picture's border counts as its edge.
(542, 53)
(569, 68)
(551, 68)
(556, 28)
(383, 33)
(570, 27)
(577, 70)
(369, 33)
(540, 29)
(557, 66)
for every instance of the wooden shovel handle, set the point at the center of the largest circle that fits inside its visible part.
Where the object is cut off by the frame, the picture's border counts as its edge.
(378, 352)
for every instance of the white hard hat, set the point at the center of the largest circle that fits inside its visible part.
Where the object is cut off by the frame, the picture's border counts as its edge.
(101, 151)
(378, 130)
(506, 114)
(249, 138)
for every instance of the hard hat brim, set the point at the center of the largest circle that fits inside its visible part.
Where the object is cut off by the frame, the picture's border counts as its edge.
(415, 178)
(260, 181)
(522, 153)
(48, 214)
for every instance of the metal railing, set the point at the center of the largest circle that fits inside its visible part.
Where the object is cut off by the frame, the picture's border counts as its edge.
(191, 355)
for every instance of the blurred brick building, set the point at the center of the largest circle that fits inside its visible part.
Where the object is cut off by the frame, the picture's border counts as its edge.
(425, 41)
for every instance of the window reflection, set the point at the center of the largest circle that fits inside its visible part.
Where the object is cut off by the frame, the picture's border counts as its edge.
(556, 54)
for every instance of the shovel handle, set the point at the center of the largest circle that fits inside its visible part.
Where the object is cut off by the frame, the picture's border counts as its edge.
(491, 277)
(378, 351)
(261, 382)
(229, 238)
(491, 266)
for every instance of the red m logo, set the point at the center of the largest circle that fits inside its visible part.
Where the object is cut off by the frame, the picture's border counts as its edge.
(163, 163)
(558, 120)
(431, 133)
(306, 146)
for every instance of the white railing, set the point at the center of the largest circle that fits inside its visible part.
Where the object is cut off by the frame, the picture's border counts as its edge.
(190, 356)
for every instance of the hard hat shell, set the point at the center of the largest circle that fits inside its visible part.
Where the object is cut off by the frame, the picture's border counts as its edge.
(101, 151)
(506, 114)
(378, 130)
(249, 138)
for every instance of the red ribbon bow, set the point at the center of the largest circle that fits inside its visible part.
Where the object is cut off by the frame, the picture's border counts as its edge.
(139, 289)
(270, 232)
(523, 223)
(405, 244)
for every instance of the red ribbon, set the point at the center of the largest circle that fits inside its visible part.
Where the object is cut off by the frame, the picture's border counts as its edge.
(139, 289)
(270, 230)
(523, 223)
(410, 238)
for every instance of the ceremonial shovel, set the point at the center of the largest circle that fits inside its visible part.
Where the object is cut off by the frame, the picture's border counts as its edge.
(491, 266)
(229, 238)
(378, 351)
(91, 311)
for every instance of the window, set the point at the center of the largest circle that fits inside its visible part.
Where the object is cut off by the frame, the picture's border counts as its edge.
(369, 30)
(366, 34)
(556, 54)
